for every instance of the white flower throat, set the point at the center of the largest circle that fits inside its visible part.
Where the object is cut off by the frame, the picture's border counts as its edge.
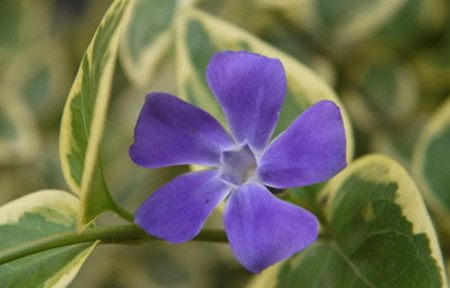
(237, 165)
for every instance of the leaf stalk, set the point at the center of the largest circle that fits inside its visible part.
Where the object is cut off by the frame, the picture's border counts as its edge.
(121, 234)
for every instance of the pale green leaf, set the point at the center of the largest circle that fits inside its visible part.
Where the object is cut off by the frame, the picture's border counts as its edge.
(391, 89)
(384, 96)
(42, 80)
(84, 117)
(147, 37)
(34, 216)
(345, 26)
(23, 22)
(281, 4)
(200, 35)
(19, 138)
(431, 164)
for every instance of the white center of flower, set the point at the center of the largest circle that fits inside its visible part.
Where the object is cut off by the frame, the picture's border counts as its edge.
(237, 165)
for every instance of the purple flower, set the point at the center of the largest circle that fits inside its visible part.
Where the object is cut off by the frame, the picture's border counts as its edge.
(261, 228)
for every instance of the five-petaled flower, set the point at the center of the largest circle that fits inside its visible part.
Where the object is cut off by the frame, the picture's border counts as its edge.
(261, 228)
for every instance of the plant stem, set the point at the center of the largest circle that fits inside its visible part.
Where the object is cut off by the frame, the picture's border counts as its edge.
(123, 213)
(123, 234)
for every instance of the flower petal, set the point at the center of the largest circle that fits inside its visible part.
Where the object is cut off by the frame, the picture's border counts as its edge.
(170, 131)
(311, 150)
(250, 89)
(177, 211)
(263, 230)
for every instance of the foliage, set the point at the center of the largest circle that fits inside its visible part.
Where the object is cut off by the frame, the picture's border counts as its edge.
(386, 63)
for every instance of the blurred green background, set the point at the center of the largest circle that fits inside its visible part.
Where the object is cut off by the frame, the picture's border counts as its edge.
(389, 62)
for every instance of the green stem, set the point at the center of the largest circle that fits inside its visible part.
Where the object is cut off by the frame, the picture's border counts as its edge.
(123, 213)
(124, 234)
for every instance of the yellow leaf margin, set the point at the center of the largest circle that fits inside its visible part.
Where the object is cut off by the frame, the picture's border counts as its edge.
(89, 209)
(382, 169)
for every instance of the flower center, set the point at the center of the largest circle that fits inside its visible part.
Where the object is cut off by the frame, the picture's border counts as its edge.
(237, 165)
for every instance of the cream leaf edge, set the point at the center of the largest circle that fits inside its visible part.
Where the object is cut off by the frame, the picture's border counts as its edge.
(46, 203)
(382, 169)
(438, 122)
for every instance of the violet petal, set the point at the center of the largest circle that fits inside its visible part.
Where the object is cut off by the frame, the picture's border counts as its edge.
(251, 90)
(311, 150)
(263, 230)
(170, 131)
(177, 211)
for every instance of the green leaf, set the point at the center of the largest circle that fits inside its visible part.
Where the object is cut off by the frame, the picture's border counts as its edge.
(390, 89)
(84, 118)
(42, 79)
(147, 37)
(431, 164)
(414, 20)
(378, 234)
(23, 22)
(19, 139)
(346, 26)
(34, 216)
(385, 95)
(10, 12)
(200, 35)
(433, 65)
